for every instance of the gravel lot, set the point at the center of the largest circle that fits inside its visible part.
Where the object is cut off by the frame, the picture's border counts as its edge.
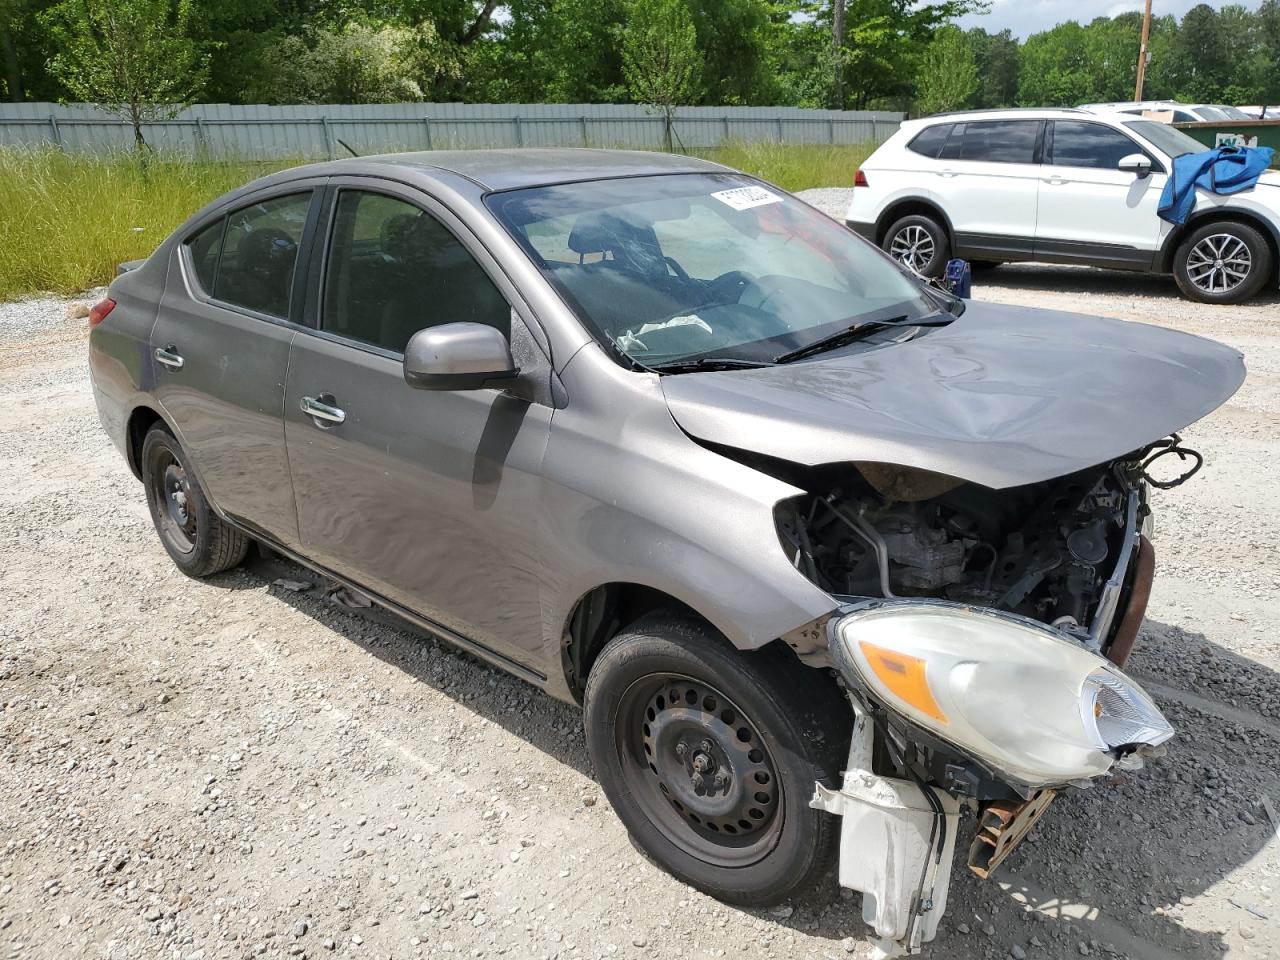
(230, 769)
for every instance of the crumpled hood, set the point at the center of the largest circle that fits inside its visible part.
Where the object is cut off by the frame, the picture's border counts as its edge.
(1003, 396)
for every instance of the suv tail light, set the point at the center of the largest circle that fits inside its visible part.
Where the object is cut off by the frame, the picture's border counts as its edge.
(860, 179)
(98, 312)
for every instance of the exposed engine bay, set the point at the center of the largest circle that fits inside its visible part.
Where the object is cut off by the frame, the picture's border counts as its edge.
(1045, 550)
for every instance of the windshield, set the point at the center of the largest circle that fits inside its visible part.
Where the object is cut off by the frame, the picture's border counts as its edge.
(1235, 113)
(671, 268)
(1165, 138)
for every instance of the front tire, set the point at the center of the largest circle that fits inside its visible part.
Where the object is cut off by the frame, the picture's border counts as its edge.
(919, 243)
(1223, 262)
(709, 757)
(199, 541)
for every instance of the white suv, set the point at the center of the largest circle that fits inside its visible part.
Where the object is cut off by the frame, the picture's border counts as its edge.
(1061, 186)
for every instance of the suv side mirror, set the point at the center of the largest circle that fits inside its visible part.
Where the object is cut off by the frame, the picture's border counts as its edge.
(1137, 164)
(458, 356)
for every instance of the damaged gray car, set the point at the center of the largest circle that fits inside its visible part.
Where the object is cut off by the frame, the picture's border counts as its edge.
(827, 555)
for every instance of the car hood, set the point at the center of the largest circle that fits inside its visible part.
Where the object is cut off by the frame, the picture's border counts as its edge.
(1001, 397)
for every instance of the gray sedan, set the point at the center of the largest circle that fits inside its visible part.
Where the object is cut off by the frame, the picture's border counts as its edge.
(826, 554)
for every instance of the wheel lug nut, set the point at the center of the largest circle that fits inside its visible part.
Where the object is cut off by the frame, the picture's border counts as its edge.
(697, 781)
(721, 779)
(706, 746)
(681, 749)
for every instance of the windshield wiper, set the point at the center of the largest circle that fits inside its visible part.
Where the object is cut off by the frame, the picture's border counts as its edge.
(856, 332)
(708, 363)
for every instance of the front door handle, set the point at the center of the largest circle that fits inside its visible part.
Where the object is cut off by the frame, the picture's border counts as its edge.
(946, 173)
(1054, 181)
(318, 408)
(170, 357)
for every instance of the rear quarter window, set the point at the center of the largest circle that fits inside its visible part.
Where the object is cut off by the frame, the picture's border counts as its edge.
(928, 142)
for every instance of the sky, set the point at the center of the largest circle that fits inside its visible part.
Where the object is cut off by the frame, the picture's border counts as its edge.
(1024, 17)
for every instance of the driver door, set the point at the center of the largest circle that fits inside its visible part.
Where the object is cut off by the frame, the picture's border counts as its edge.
(426, 497)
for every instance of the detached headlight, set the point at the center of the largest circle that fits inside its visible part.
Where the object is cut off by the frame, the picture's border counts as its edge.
(1004, 689)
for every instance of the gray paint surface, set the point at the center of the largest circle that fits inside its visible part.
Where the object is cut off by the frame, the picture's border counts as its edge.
(1002, 396)
(253, 131)
(491, 513)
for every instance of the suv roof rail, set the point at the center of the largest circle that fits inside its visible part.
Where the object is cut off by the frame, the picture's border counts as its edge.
(961, 113)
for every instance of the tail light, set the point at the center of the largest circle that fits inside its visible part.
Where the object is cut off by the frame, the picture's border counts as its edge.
(98, 312)
(860, 179)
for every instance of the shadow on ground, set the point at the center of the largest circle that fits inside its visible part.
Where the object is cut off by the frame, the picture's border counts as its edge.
(1060, 279)
(1110, 867)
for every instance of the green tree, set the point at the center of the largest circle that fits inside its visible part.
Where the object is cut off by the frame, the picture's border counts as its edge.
(135, 58)
(660, 57)
(356, 63)
(948, 73)
(1207, 58)
(734, 43)
(996, 57)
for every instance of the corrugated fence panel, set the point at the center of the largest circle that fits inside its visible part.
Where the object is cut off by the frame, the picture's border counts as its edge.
(314, 130)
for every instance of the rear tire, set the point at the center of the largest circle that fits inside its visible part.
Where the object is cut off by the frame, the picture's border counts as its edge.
(199, 541)
(919, 243)
(1223, 262)
(714, 782)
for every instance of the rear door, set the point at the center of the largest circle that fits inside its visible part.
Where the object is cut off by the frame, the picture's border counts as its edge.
(1088, 209)
(427, 497)
(988, 177)
(220, 349)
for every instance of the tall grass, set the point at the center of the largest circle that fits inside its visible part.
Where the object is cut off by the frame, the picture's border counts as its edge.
(794, 166)
(66, 220)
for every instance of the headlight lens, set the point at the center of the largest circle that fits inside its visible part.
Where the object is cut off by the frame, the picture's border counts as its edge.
(1006, 690)
(1119, 713)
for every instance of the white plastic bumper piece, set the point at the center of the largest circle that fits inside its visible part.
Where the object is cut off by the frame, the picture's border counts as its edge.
(895, 848)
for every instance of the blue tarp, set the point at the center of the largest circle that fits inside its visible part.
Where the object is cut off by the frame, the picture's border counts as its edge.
(1225, 170)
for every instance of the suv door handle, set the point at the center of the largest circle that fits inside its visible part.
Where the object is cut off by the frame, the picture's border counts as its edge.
(170, 357)
(317, 408)
(1055, 180)
(946, 173)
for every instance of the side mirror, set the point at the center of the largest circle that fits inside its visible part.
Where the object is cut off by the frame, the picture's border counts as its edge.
(1137, 164)
(458, 356)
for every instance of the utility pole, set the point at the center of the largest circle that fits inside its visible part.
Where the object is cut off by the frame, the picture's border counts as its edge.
(1142, 52)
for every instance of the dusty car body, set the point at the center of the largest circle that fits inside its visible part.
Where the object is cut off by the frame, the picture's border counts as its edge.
(887, 574)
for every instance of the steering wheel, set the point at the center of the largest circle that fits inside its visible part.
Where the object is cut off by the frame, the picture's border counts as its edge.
(678, 270)
(728, 287)
(760, 290)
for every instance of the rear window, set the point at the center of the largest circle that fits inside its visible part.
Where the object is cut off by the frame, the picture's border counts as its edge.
(993, 141)
(928, 142)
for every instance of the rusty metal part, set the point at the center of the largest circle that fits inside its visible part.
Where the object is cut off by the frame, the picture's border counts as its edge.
(1002, 825)
(905, 484)
(1127, 633)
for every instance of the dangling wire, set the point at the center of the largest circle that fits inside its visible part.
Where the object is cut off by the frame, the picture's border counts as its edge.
(1172, 445)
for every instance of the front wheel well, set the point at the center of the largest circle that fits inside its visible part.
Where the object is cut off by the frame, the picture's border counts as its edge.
(1268, 231)
(141, 420)
(599, 615)
(909, 207)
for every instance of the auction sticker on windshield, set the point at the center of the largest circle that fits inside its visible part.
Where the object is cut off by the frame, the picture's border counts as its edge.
(744, 198)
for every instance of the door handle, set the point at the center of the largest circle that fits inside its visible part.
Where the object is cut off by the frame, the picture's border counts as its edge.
(170, 357)
(946, 173)
(1054, 181)
(317, 408)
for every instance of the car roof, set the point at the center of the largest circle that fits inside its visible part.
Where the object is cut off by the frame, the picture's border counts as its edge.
(517, 168)
(1024, 113)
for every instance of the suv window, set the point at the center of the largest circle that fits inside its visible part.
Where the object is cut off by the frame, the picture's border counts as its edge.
(1078, 143)
(393, 269)
(928, 142)
(259, 251)
(993, 141)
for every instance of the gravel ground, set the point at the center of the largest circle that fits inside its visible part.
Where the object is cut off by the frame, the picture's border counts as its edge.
(230, 769)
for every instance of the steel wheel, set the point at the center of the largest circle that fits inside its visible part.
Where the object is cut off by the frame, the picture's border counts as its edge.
(913, 247)
(173, 510)
(699, 769)
(1219, 263)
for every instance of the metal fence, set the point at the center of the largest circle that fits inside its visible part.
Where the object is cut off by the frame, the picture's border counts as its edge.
(227, 131)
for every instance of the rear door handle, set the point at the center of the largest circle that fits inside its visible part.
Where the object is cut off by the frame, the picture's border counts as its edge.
(946, 173)
(1054, 181)
(170, 357)
(317, 408)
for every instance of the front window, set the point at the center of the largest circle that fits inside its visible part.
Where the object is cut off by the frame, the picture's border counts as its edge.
(1166, 139)
(672, 268)
(1079, 143)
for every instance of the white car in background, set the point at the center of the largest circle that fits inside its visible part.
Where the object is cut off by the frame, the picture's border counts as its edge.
(1182, 112)
(1060, 186)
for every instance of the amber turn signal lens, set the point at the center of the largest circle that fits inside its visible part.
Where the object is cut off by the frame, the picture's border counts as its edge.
(904, 677)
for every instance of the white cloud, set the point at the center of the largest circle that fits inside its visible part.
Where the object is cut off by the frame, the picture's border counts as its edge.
(1025, 17)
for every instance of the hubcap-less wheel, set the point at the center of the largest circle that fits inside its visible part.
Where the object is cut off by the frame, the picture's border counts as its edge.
(699, 769)
(1219, 263)
(913, 247)
(177, 519)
